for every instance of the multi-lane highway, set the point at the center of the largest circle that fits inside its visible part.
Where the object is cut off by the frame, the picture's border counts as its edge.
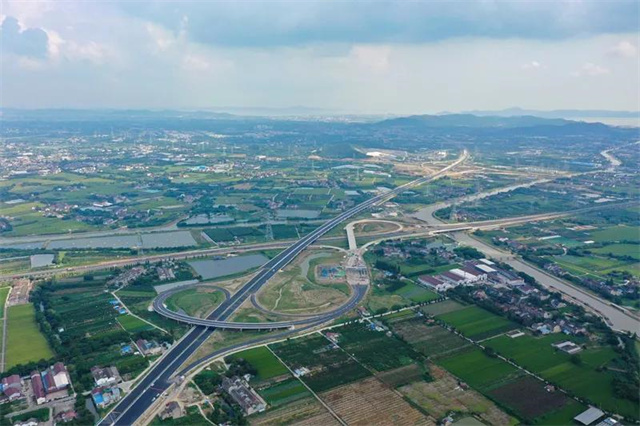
(133, 405)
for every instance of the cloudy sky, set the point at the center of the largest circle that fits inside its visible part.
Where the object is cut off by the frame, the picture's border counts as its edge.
(364, 57)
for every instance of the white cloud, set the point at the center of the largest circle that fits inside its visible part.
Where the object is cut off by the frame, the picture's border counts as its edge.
(592, 70)
(375, 58)
(624, 49)
(533, 65)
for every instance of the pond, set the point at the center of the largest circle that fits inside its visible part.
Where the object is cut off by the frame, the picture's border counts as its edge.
(292, 213)
(210, 268)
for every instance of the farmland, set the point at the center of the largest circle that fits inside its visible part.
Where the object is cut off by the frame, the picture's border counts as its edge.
(588, 379)
(25, 342)
(442, 395)
(86, 330)
(528, 398)
(133, 324)
(302, 411)
(375, 349)
(263, 361)
(430, 340)
(4, 292)
(476, 323)
(329, 365)
(369, 402)
(284, 392)
(478, 369)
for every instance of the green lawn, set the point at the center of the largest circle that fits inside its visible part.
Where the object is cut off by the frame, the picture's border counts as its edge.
(194, 301)
(264, 361)
(25, 343)
(477, 323)
(4, 291)
(132, 324)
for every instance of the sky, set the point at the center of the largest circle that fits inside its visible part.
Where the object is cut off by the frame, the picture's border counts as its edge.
(400, 57)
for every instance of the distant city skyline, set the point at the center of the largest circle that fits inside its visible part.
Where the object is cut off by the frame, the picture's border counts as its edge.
(361, 58)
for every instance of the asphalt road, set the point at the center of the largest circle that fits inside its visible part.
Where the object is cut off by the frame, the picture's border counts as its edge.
(133, 405)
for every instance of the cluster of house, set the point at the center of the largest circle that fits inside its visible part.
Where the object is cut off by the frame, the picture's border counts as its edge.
(244, 395)
(51, 383)
(165, 273)
(629, 288)
(11, 388)
(472, 273)
(149, 348)
(106, 392)
(47, 385)
(128, 276)
(118, 307)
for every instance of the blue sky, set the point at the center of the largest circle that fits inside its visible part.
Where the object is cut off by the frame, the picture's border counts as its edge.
(361, 57)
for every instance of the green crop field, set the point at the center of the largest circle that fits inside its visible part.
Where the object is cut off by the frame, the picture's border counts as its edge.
(331, 366)
(476, 323)
(284, 392)
(617, 233)
(583, 379)
(4, 291)
(478, 369)
(375, 349)
(416, 293)
(264, 361)
(132, 324)
(25, 343)
(563, 416)
(631, 250)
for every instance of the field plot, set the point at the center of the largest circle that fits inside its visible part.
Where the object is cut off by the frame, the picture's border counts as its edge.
(416, 293)
(402, 375)
(133, 324)
(631, 250)
(195, 301)
(587, 378)
(476, 323)
(430, 340)
(479, 370)
(25, 343)
(617, 233)
(369, 402)
(528, 398)
(443, 307)
(329, 366)
(375, 349)
(284, 392)
(263, 361)
(4, 291)
(307, 411)
(443, 395)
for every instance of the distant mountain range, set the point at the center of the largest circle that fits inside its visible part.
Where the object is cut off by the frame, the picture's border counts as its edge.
(558, 113)
(470, 121)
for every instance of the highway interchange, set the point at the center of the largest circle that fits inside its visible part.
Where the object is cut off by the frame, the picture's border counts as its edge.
(158, 379)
